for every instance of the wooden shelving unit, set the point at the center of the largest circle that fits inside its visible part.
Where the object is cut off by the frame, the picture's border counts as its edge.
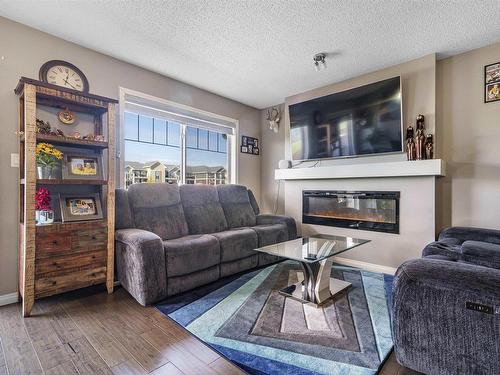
(63, 256)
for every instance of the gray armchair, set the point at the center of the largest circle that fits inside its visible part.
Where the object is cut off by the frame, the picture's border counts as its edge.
(446, 306)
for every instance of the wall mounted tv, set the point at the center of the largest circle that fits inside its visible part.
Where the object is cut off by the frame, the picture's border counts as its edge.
(365, 120)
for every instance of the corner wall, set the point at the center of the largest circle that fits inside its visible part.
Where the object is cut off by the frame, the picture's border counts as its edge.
(470, 141)
(25, 50)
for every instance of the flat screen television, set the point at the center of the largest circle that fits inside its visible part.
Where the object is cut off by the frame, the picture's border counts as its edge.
(365, 120)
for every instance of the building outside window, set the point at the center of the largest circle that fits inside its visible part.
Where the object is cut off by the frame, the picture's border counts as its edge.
(159, 149)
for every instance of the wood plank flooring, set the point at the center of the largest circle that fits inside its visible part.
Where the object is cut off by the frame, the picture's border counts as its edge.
(91, 332)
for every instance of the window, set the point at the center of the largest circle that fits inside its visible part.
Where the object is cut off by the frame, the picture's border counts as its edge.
(206, 163)
(148, 151)
(161, 146)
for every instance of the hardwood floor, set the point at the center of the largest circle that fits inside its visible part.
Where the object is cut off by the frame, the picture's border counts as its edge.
(91, 332)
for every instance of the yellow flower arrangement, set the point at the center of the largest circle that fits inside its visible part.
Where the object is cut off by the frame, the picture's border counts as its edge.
(47, 154)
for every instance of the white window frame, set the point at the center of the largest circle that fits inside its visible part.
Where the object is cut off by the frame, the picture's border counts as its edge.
(184, 115)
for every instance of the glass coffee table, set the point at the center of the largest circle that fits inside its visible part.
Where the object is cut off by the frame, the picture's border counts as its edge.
(315, 255)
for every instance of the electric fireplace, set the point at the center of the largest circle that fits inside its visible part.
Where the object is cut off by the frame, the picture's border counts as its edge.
(367, 210)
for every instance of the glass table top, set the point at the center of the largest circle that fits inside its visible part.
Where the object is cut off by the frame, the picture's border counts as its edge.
(312, 249)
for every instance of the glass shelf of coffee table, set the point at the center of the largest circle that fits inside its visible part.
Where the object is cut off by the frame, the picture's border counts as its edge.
(315, 254)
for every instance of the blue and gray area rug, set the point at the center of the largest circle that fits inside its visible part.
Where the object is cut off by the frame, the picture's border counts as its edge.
(249, 322)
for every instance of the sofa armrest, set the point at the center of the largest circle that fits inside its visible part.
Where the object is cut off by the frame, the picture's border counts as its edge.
(435, 329)
(140, 264)
(471, 234)
(279, 219)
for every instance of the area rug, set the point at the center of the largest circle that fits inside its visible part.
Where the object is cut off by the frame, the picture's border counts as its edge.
(246, 319)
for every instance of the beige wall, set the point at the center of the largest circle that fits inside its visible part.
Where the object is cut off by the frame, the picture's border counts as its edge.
(25, 50)
(470, 138)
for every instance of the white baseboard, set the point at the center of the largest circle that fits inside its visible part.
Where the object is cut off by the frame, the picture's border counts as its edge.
(7, 299)
(364, 265)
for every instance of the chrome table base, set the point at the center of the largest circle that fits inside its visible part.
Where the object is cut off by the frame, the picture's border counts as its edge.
(317, 287)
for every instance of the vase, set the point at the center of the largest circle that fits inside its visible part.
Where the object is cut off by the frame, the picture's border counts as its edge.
(37, 216)
(44, 171)
(46, 217)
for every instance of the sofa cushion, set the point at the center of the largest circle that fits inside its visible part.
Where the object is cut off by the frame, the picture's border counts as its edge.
(123, 213)
(443, 249)
(253, 202)
(202, 209)
(481, 253)
(237, 243)
(236, 204)
(192, 253)
(157, 208)
(271, 234)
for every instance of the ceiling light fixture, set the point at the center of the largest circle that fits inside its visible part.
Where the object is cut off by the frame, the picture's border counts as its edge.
(319, 61)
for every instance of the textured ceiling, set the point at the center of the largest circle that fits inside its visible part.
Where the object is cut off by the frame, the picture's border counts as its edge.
(260, 51)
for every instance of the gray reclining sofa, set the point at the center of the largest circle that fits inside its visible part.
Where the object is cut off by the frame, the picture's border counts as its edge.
(446, 306)
(172, 238)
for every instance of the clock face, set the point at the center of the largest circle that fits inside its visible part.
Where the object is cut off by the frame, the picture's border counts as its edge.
(64, 74)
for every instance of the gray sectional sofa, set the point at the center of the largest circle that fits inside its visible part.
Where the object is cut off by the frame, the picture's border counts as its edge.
(172, 238)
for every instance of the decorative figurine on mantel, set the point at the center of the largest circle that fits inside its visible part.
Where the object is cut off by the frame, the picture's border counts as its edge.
(410, 144)
(420, 138)
(429, 147)
(418, 146)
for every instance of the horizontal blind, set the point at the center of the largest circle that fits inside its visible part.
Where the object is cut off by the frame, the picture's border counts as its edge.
(169, 111)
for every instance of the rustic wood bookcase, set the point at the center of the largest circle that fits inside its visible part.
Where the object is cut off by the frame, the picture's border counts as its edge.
(63, 256)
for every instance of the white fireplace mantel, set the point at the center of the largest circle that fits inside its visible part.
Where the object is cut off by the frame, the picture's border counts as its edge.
(434, 167)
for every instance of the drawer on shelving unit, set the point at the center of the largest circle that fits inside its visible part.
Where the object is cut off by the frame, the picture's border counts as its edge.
(48, 244)
(58, 265)
(47, 286)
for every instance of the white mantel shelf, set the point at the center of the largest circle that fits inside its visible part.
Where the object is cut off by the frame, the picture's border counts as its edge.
(434, 167)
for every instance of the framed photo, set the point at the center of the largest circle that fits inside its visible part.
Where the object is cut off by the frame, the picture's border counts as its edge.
(249, 145)
(77, 207)
(77, 166)
(492, 92)
(492, 82)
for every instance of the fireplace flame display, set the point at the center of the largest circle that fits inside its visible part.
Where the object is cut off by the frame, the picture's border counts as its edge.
(376, 211)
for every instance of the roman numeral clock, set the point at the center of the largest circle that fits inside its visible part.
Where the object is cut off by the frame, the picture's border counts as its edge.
(65, 74)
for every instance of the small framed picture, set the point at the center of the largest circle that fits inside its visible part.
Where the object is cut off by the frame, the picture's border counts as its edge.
(77, 207)
(82, 167)
(492, 82)
(492, 92)
(249, 145)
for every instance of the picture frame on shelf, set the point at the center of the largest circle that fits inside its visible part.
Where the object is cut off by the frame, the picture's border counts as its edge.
(492, 82)
(78, 207)
(78, 166)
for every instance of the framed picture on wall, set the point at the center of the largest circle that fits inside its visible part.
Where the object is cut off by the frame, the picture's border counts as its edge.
(492, 82)
(249, 145)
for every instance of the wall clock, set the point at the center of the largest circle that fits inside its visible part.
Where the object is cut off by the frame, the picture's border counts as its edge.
(65, 74)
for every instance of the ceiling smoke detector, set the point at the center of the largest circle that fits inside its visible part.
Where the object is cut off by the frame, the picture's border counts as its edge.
(319, 61)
